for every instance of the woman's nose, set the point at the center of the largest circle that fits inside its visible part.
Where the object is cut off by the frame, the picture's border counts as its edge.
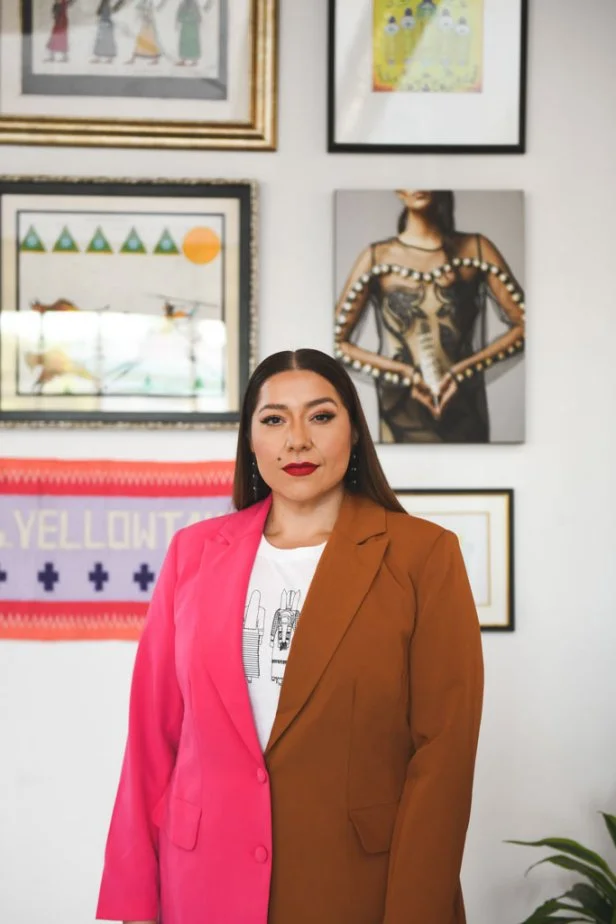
(298, 437)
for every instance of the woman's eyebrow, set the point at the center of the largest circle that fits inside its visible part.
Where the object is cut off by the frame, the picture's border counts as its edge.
(284, 407)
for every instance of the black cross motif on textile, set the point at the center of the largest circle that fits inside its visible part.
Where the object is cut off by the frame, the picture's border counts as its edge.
(48, 576)
(98, 576)
(143, 577)
(3, 576)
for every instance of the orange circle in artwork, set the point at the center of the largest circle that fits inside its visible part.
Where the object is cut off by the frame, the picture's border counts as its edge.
(201, 245)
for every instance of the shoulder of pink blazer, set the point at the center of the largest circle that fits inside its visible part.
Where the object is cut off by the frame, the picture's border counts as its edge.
(190, 539)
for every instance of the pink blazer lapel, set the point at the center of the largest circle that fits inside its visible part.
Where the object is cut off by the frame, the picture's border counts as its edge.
(226, 564)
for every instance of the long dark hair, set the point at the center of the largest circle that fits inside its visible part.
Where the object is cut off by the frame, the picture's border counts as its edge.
(369, 478)
(442, 213)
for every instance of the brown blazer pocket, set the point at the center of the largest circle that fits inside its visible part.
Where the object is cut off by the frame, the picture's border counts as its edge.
(374, 825)
(179, 820)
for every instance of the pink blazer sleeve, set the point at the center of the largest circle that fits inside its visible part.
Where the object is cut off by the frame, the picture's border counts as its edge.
(130, 886)
(446, 693)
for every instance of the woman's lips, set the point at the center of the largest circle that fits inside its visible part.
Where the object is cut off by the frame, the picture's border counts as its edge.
(301, 468)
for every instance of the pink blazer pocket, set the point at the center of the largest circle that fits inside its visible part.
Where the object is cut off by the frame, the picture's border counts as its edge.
(374, 825)
(179, 820)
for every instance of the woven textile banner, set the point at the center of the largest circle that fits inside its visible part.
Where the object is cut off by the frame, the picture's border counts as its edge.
(82, 543)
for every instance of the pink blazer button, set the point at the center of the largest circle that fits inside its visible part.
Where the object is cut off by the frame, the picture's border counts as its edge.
(260, 854)
(261, 775)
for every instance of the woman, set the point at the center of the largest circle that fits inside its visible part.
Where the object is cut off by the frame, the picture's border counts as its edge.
(147, 45)
(429, 286)
(105, 46)
(341, 795)
(188, 18)
(58, 39)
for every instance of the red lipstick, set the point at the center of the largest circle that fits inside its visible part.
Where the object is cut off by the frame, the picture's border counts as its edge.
(300, 468)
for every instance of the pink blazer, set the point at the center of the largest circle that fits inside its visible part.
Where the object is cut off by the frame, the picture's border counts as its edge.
(167, 778)
(365, 785)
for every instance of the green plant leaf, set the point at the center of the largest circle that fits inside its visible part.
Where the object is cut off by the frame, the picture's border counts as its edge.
(602, 882)
(546, 914)
(549, 918)
(610, 823)
(554, 905)
(592, 902)
(574, 849)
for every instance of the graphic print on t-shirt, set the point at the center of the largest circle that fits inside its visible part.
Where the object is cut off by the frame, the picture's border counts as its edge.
(276, 592)
(283, 629)
(254, 623)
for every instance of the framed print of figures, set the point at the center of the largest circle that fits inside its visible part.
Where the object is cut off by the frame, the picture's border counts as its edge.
(430, 313)
(139, 73)
(126, 302)
(442, 76)
(483, 523)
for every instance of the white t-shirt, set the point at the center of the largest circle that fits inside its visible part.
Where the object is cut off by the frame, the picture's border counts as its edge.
(276, 591)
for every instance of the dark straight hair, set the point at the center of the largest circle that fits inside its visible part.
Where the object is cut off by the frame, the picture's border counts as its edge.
(369, 479)
(442, 212)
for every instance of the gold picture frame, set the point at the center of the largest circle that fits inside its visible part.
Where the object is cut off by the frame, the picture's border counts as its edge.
(255, 130)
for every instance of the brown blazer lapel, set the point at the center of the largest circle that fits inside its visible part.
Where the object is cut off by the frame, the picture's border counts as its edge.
(346, 569)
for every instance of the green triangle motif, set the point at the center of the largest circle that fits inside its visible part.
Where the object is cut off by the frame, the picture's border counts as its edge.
(32, 242)
(166, 244)
(133, 243)
(65, 243)
(99, 243)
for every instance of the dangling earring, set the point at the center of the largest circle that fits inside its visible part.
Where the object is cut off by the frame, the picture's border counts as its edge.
(254, 477)
(353, 466)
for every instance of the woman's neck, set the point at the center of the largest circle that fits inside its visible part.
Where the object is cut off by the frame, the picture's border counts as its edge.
(293, 523)
(421, 231)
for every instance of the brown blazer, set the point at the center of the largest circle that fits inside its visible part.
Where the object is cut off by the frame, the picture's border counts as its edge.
(372, 753)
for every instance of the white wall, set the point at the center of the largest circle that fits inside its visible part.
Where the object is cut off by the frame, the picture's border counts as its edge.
(548, 749)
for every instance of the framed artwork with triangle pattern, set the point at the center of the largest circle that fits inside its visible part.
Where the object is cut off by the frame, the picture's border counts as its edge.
(126, 303)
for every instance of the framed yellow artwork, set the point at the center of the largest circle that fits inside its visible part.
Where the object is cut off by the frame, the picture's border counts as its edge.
(441, 76)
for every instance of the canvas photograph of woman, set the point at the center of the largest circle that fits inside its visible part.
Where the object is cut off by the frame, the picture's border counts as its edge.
(430, 313)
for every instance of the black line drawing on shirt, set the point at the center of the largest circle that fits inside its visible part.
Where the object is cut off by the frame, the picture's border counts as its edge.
(252, 636)
(283, 629)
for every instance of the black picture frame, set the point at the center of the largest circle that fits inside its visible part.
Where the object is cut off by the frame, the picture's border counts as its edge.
(338, 147)
(239, 273)
(507, 537)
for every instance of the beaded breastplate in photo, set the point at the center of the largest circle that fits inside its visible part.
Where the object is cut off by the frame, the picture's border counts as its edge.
(426, 319)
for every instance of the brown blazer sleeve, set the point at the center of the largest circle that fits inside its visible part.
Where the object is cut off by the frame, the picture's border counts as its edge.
(446, 692)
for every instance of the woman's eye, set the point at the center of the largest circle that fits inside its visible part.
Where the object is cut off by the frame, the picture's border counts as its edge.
(324, 417)
(272, 419)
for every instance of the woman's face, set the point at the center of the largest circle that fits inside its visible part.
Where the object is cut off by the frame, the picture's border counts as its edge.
(416, 200)
(299, 418)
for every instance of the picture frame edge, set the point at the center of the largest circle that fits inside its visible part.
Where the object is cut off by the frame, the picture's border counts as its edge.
(509, 494)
